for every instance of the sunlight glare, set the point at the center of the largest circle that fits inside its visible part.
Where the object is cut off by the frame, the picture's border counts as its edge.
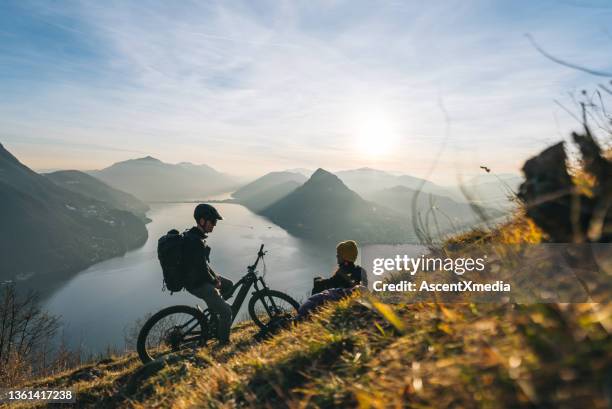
(375, 134)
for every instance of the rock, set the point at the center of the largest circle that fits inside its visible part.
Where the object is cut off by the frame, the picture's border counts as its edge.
(144, 373)
(150, 369)
(568, 215)
(554, 203)
(86, 374)
(105, 361)
(600, 223)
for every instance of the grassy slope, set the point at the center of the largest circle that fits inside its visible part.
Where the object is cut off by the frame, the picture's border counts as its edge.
(360, 352)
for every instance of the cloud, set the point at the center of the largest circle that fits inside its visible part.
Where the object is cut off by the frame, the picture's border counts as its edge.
(283, 83)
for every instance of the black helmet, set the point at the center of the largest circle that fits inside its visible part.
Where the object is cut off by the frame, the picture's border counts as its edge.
(206, 212)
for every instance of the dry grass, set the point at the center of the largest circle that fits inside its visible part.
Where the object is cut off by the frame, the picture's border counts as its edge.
(518, 230)
(361, 353)
(350, 355)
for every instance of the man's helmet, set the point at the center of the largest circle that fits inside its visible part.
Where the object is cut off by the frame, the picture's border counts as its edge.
(206, 212)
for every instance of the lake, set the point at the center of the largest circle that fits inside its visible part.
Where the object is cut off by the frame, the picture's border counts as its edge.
(100, 303)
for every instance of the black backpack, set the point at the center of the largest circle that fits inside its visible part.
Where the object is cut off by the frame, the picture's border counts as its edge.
(170, 255)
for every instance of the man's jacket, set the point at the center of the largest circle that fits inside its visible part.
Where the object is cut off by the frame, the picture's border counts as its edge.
(195, 258)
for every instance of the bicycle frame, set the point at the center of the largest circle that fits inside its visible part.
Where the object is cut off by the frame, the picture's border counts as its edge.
(245, 283)
(243, 286)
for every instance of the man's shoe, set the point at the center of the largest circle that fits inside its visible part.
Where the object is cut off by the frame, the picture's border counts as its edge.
(221, 344)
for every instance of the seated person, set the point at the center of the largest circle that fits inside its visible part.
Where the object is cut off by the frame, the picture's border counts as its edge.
(348, 274)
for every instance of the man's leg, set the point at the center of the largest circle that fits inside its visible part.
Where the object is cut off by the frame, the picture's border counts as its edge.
(219, 306)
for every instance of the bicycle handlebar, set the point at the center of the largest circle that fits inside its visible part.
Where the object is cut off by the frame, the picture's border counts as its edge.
(260, 255)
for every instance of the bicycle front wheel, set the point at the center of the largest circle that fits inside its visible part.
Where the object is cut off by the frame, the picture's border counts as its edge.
(169, 330)
(268, 307)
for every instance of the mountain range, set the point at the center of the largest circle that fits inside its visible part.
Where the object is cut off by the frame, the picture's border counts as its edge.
(151, 180)
(487, 190)
(437, 214)
(367, 181)
(325, 209)
(87, 185)
(51, 231)
(66, 220)
(266, 190)
(490, 190)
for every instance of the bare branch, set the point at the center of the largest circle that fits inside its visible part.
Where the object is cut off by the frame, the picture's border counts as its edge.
(565, 63)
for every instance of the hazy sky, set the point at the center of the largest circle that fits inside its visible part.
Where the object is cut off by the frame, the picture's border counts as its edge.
(249, 87)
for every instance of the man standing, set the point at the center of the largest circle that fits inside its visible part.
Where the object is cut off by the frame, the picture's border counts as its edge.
(200, 279)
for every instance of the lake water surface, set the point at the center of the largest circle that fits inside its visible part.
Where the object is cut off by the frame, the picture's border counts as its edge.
(101, 302)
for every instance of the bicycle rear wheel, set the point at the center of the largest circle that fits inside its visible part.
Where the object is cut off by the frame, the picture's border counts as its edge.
(169, 330)
(269, 307)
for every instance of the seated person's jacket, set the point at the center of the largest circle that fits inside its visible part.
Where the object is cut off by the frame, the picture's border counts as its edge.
(195, 260)
(347, 275)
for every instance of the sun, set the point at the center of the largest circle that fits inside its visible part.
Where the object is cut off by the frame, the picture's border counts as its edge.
(375, 134)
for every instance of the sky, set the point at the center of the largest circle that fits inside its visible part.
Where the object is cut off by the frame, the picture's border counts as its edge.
(434, 89)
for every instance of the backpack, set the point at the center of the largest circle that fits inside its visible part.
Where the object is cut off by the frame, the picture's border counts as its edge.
(170, 255)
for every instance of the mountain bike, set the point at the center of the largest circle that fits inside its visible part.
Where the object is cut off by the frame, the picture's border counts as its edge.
(182, 327)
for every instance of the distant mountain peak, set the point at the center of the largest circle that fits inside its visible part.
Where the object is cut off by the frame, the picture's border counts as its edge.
(371, 170)
(322, 175)
(321, 172)
(150, 179)
(366, 170)
(149, 158)
(325, 209)
(399, 188)
(323, 179)
(5, 152)
(8, 160)
(301, 171)
(146, 160)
